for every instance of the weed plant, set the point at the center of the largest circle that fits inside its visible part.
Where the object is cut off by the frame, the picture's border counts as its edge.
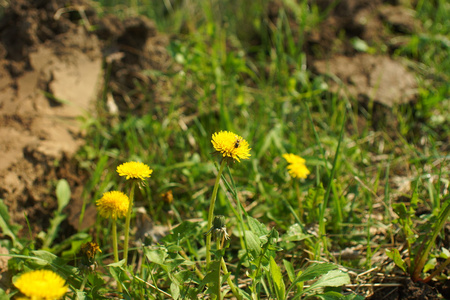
(251, 227)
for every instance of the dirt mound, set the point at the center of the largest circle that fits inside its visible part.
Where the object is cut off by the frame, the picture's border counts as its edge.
(51, 70)
(368, 77)
(340, 47)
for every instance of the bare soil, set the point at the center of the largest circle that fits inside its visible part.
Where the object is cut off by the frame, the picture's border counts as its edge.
(52, 69)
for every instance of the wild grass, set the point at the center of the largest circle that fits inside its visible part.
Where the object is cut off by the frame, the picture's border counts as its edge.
(267, 94)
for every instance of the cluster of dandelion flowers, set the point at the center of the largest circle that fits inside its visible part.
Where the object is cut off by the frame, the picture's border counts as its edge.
(296, 167)
(134, 170)
(230, 145)
(113, 205)
(41, 284)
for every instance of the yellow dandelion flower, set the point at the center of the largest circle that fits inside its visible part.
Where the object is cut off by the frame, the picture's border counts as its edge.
(293, 159)
(296, 167)
(41, 285)
(134, 170)
(230, 145)
(113, 205)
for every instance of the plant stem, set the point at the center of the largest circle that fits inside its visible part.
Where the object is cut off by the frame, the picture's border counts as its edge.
(127, 224)
(83, 283)
(229, 281)
(114, 240)
(219, 294)
(300, 202)
(115, 248)
(211, 211)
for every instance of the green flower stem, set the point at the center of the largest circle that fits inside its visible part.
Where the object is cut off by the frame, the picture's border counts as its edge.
(211, 211)
(114, 240)
(300, 202)
(115, 248)
(233, 288)
(83, 283)
(127, 224)
(219, 294)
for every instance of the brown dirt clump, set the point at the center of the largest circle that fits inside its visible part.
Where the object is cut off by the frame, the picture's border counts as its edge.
(49, 68)
(358, 75)
(369, 77)
(51, 71)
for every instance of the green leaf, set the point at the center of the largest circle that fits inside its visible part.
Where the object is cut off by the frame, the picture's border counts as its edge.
(295, 233)
(314, 271)
(45, 257)
(394, 254)
(62, 194)
(118, 273)
(185, 230)
(332, 278)
(253, 243)
(6, 227)
(277, 278)
(118, 264)
(212, 279)
(256, 227)
(53, 230)
(73, 244)
(81, 295)
(445, 253)
(157, 256)
(400, 210)
(329, 296)
(289, 269)
(3, 295)
(175, 290)
(430, 265)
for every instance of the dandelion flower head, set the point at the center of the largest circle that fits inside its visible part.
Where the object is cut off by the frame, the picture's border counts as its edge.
(41, 284)
(134, 170)
(113, 205)
(231, 145)
(296, 167)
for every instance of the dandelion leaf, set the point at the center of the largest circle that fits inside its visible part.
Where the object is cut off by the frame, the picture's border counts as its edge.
(277, 278)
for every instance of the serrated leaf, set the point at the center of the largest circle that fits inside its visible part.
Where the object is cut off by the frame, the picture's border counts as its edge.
(212, 278)
(277, 278)
(332, 278)
(256, 227)
(62, 194)
(314, 271)
(394, 254)
(400, 210)
(157, 256)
